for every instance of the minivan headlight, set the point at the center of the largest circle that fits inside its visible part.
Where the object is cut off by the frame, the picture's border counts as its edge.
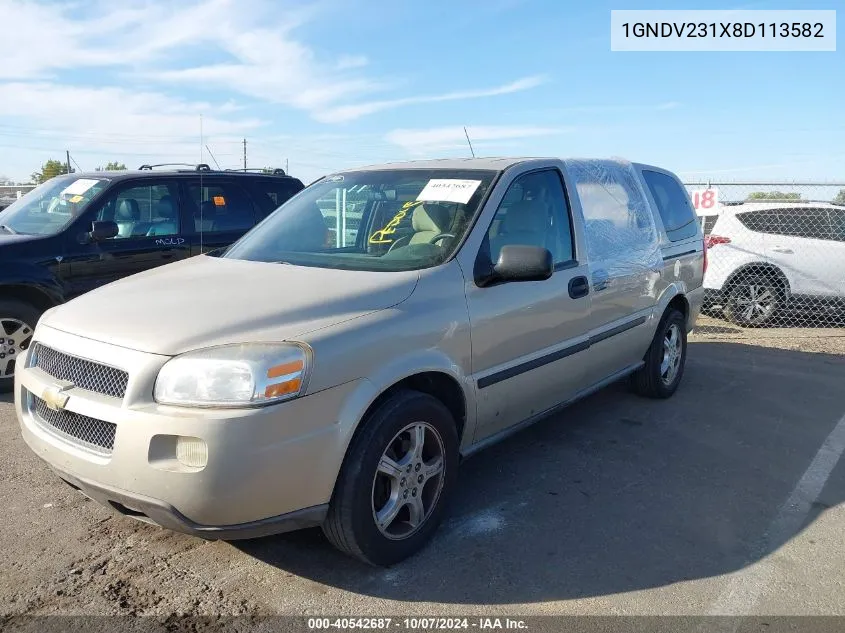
(234, 375)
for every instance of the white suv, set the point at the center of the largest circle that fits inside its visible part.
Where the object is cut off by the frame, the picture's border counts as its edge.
(768, 257)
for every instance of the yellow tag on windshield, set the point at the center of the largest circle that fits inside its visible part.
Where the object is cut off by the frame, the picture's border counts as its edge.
(76, 199)
(382, 236)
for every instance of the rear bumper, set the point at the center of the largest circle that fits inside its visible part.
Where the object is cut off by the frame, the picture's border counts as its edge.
(159, 513)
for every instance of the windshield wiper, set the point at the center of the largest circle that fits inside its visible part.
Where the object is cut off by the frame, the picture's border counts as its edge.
(8, 229)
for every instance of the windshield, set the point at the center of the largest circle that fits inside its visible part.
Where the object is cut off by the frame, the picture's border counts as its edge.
(50, 207)
(386, 220)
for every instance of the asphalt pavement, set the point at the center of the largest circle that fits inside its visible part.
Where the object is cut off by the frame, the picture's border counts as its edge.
(727, 498)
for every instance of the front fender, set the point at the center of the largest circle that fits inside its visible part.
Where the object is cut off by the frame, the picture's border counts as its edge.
(36, 276)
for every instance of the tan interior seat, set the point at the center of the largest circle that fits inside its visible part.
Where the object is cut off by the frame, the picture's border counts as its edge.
(428, 221)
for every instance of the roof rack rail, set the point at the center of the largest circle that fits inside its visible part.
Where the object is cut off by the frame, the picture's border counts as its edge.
(733, 203)
(276, 171)
(199, 167)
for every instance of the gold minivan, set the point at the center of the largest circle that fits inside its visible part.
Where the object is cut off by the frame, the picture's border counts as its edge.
(334, 365)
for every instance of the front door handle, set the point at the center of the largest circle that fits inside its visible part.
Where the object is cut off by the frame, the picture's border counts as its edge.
(783, 249)
(579, 287)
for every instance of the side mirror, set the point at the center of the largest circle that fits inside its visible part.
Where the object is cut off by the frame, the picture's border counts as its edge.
(103, 230)
(519, 263)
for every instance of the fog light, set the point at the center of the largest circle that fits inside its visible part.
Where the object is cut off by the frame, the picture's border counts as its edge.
(192, 452)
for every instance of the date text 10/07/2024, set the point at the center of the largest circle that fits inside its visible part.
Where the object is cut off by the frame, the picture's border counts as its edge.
(417, 623)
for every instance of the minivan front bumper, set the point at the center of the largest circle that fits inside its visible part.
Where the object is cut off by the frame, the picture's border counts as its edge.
(266, 470)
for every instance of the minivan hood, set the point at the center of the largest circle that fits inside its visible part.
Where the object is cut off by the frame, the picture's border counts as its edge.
(205, 301)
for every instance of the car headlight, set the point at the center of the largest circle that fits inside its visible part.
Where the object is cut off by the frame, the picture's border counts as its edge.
(234, 375)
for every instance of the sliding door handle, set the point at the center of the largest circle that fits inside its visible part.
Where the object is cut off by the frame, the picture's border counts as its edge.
(579, 287)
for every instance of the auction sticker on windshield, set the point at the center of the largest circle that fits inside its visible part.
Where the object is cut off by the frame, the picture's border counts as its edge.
(78, 187)
(448, 190)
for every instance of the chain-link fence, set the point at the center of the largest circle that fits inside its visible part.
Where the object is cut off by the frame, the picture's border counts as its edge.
(776, 256)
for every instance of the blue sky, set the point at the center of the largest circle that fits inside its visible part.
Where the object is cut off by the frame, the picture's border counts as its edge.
(335, 83)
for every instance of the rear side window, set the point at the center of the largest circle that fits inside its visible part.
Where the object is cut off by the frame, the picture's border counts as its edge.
(837, 222)
(220, 207)
(808, 223)
(618, 219)
(274, 193)
(673, 204)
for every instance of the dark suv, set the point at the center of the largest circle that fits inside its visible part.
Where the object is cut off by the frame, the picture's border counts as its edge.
(83, 230)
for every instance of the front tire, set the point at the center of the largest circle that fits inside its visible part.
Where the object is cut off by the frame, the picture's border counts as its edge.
(395, 481)
(664, 362)
(17, 323)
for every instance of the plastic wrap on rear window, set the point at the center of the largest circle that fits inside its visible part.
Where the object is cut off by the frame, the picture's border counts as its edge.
(620, 230)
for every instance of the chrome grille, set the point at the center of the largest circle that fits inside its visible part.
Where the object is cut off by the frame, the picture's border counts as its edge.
(84, 374)
(90, 433)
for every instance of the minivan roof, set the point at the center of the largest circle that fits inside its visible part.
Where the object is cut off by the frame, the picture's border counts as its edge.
(497, 163)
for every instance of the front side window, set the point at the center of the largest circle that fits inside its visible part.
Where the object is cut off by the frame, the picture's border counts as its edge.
(533, 212)
(379, 220)
(220, 207)
(673, 205)
(50, 207)
(146, 210)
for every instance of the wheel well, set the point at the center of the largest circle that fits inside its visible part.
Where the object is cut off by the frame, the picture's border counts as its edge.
(769, 271)
(435, 383)
(27, 294)
(679, 303)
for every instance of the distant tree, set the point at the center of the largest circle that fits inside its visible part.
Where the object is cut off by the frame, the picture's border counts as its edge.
(50, 169)
(773, 195)
(840, 197)
(112, 166)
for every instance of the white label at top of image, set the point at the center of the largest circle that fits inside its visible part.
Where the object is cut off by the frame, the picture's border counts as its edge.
(448, 190)
(723, 30)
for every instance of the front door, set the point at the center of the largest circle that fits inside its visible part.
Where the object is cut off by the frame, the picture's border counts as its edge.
(149, 235)
(529, 338)
(801, 242)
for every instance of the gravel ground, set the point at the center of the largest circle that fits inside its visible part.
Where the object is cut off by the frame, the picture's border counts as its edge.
(619, 505)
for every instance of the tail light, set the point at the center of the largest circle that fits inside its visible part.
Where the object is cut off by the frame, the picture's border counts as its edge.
(710, 241)
(714, 240)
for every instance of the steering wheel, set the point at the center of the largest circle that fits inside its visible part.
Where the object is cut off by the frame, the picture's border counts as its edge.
(440, 236)
(395, 242)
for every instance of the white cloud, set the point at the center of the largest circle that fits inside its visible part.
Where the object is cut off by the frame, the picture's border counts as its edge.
(351, 61)
(424, 141)
(265, 59)
(348, 112)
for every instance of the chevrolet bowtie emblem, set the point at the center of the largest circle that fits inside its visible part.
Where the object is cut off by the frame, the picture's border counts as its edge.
(55, 397)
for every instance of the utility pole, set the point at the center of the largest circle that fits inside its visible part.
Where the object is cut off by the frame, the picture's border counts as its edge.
(287, 169)
(67, 152)
(244, 153)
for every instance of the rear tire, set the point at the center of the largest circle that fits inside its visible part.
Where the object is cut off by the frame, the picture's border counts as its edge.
(383, 476)
(664, 361)
(754, 300)
(17, 323)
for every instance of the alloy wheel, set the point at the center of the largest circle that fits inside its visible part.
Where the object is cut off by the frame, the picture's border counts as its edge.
(15, 337)
(672, 353)
(408, 481)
